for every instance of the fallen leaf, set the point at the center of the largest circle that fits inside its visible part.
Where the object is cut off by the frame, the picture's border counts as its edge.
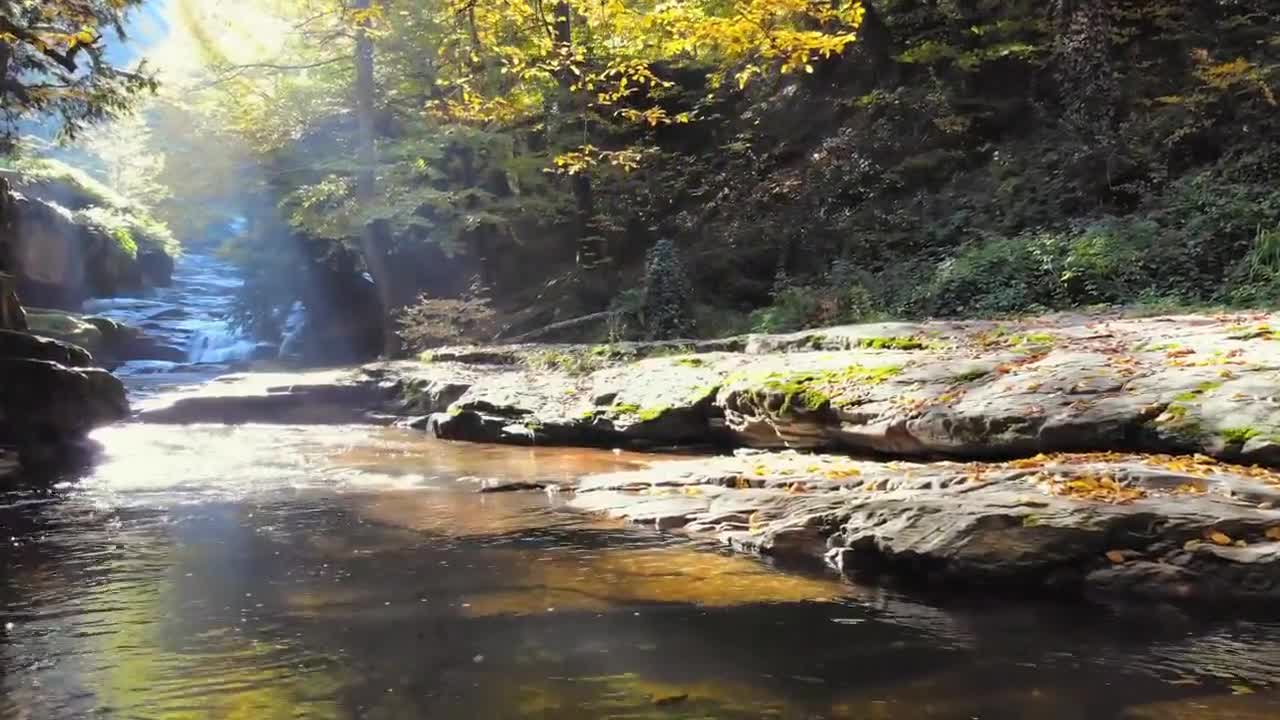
(1217, 537)
(1273, 533)
(1241, 690)
(1116, 557)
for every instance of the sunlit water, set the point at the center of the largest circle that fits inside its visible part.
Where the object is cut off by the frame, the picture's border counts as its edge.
(346, 572)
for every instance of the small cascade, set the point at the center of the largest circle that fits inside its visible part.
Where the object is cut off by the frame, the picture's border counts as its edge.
(189, 319)
(218, 342)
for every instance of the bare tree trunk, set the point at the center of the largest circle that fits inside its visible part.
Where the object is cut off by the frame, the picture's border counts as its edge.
(373, 245)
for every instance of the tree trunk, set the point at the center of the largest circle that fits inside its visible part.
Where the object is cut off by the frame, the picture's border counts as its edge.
(373, 245)
(589, 252)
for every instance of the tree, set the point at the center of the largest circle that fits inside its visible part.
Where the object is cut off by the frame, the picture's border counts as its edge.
(53, 64)
(372, 235)
(587, 67)
(129, 160)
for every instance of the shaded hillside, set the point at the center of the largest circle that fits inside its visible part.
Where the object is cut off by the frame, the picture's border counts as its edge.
(979, 158)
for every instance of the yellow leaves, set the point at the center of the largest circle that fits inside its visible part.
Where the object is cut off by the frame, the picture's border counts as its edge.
(842, 473)
(1031, 462)
(1233, 74)
(1217, 537)
(1116, 557)
(1273, 533)
(589, 157)
(365, 18)
(1096, 488)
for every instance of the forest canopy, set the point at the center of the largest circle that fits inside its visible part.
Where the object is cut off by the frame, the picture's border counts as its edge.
(794, 162)
(54, 68)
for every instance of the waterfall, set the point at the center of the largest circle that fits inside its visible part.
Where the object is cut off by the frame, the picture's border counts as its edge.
(218, 342)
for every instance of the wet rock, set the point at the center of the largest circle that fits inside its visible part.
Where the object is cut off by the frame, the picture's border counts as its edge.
(323, 397)
(500, 485)
(1100, 523)
(45, 403)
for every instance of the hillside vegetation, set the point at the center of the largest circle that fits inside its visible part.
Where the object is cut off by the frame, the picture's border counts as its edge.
(707, 168)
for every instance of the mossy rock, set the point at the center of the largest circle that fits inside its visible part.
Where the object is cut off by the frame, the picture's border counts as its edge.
(65, 327)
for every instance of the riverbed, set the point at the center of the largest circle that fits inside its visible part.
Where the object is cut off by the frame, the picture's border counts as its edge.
(355, 572)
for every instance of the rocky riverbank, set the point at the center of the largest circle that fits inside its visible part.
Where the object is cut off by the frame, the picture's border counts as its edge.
(1112, 454)
(50, 399)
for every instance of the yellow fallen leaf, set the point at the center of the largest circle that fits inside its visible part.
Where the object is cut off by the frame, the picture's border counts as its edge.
(1191, 544)
(1241, 690)
(1217, 538)
(1273, 533)
(1116, 557)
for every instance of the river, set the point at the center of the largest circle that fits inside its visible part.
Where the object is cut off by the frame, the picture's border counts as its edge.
(343, 572)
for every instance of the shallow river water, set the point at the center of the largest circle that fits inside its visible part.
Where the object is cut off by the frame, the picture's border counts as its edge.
(345, 572)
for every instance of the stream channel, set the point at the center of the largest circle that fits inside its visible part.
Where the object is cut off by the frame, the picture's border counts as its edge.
(340, 572)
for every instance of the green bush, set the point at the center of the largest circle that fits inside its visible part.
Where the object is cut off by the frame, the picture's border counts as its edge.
(793, 308)
(1256, 280)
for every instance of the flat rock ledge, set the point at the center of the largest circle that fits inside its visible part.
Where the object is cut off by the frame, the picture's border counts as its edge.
(1167, 527)
(965, 390)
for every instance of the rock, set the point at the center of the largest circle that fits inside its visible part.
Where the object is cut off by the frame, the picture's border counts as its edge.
(343, 316)
(44, 403)
(156, 267)
(320, 397)
(111, 342)
(1104, 524)
(9, 466)
(61, 257)
(499, 485)
(264, 351)
(19, 345)
(971, 390)
(12, 314)
(47, 249)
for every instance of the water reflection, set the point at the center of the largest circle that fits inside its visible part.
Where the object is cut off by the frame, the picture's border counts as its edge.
(342, 573)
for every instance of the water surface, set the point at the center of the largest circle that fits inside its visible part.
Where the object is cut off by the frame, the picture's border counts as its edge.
(346, 572)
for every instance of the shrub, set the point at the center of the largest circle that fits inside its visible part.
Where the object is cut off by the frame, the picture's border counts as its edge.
(433, 322)
(839, 296)
(1256, 280)
(667, 299)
